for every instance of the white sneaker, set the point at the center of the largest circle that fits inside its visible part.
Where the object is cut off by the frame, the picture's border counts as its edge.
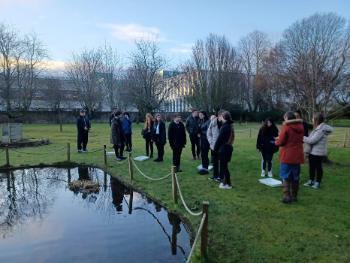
(316, 185)
(309, 183)
(225, 186)
(270, 174)
(262, 173)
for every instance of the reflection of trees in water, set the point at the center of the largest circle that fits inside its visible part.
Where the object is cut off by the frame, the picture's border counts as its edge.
(29, 193)
(25, 194)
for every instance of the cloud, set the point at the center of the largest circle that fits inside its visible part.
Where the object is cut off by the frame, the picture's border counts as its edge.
(17, 3)
(182, 49)
(132, 32)
(54, 65)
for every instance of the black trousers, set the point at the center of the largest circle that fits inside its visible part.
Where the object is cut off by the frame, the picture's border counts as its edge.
(149, 147)
(177, 157)
(266, 160)
(215, 160)
(204, 153)
(128, 142)
(315, 168)
(195, 145)
(119, 150)
(224, 172)
(82, 141)
(160, 149)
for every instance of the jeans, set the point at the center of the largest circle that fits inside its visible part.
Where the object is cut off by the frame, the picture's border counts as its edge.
(266, 159)
(149, 148)
(315, 168)
(177, 157)
(83, 138)
(128, 142)
(204, 153)
(195, 147)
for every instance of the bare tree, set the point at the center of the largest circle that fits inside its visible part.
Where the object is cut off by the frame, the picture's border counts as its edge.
(55, 95)
(253, 50)
(9, 46)
(143, 79)
(213, 74)
(85, 72)
(315, 53)
(29, 65)
(111, 69)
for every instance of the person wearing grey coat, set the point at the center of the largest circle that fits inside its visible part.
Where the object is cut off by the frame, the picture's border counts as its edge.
(316, 147)
(212, 136)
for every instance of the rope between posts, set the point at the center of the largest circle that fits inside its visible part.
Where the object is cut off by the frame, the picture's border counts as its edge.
(147, 177)
(94, 151)
(183, 200)
(196, 238)
(39, 153)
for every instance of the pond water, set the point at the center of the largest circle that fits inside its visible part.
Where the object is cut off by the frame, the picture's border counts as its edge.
(42, 220)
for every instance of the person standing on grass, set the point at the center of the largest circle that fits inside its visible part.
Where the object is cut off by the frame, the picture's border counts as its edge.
(192, 127)
(203, 128)
(117, 136)
(306, 125)
(212, 136)
(177, 140)
(83, 127)
(317, 149)
(159, 137)
(127, 130)
(291, 155)
(265, 143)
(147, 133)
(223, 147)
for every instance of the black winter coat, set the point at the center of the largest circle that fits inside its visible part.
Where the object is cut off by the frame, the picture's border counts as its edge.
(192, 125)
(117, 135)
(161, 137)
(222, 145)
(177, 135)
(83, 122)
(266, 139)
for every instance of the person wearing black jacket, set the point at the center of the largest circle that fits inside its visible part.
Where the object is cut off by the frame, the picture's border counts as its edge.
(159, 137)
(265, 143)
(223, 147)
(117, 136)
(306, 125)
(203, 127)
(177, 140)
(192, 127)
(83, 127)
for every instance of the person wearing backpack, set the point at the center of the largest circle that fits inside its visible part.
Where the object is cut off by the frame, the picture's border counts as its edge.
(316, 145)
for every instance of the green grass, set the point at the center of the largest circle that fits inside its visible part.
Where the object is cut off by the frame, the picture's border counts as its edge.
(247, 223)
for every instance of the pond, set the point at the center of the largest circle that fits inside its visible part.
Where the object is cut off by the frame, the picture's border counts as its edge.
(42, 219)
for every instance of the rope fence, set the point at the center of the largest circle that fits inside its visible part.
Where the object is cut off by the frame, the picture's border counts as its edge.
(183, 200)
(146, 176)
(199, 231)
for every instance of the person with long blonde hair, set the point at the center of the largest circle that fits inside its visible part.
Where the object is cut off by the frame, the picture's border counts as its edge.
(147, 133)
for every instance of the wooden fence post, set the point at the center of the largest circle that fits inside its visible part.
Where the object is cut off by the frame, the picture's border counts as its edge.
(105, 155)
(131, 170)
(7, 156)
(68, 152)
(204, 234)
(345, 135)
(174, 185)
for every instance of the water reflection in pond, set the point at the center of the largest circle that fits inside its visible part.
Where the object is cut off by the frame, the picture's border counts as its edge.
(42, 220)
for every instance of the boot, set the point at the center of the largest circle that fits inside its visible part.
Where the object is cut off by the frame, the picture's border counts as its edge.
(286, 192)
(295, 189)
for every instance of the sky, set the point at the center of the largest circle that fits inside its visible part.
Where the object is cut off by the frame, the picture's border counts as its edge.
(68, 26)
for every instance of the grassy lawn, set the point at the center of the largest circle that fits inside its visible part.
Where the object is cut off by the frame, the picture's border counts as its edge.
(247, 223)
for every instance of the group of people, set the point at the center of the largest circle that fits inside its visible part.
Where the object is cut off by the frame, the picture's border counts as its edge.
(216, 134)
(295, 145)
